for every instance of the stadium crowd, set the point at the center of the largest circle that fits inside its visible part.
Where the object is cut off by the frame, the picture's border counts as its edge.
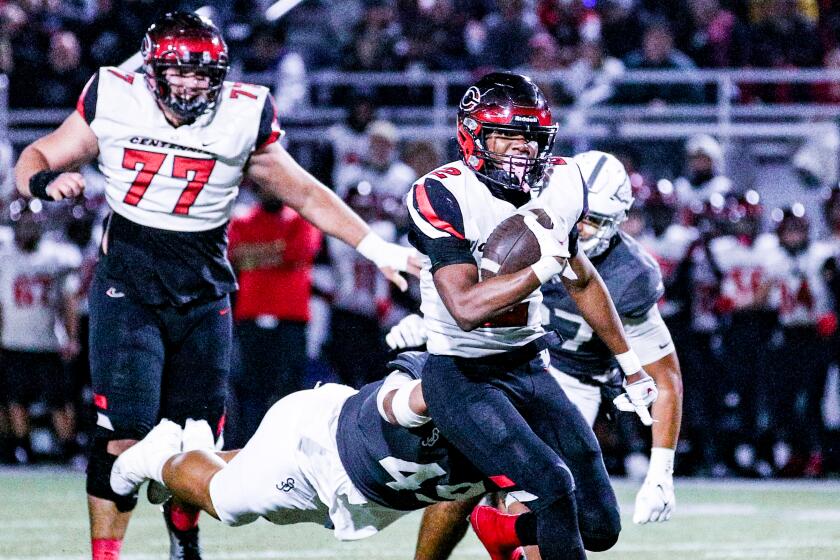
(752, 292)
(49, 48)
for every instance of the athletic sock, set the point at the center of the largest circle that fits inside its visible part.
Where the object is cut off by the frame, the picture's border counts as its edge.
(105, 549)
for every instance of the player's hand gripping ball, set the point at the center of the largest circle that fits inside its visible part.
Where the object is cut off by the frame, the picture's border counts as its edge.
(513, 245)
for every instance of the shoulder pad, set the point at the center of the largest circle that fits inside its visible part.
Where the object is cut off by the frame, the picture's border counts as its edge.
(409, 362)
(644, 287)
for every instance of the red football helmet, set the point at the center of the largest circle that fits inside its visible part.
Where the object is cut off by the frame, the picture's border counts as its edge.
(189, 43)
(508, 104)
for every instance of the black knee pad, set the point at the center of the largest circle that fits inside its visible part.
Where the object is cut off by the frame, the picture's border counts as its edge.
(599, 543)
(98, 482)
(600, 531)
(558, 534)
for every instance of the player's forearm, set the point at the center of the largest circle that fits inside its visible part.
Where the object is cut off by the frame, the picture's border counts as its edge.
(30, 162)
(275, 170)
(70, 318)
(472, 303)
(667, 410)
(326, 211)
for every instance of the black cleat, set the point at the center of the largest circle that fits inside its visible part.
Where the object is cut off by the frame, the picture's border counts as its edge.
(157, 493)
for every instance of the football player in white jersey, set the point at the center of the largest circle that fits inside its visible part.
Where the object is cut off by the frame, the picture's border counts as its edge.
(801, 352)
(38, 329)
(173, 142)
(582, 364)
(485, 384)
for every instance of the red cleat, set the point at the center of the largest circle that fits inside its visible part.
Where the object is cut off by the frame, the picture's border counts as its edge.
(518, 554)
(496, 532)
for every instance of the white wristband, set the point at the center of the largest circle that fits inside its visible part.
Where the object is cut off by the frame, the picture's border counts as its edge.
(661, 462)
(547, 267)
(372, 247)
(629, 362)
(402, 410)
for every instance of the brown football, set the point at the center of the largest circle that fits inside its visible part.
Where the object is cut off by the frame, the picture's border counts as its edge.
(512, 246)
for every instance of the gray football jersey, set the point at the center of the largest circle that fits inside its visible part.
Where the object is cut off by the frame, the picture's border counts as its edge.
(634, 282)
(396, 467)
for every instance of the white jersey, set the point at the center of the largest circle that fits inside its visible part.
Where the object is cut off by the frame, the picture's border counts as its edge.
(690, 196)
(747, 269)
(31, 289)
(799, 293)
(179, 179)
(290, 471)
(452, 214)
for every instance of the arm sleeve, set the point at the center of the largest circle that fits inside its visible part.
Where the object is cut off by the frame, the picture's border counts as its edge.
(86, 105)
(648, 336)
(269, 131)
(437, 225)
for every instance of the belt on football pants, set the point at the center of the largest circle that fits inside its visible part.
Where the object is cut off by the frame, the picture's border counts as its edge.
(514, 358)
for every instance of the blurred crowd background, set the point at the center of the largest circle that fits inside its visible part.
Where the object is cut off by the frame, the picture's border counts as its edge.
(746, 227)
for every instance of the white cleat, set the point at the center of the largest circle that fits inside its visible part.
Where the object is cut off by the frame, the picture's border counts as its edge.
(145, 459)
(197, 435)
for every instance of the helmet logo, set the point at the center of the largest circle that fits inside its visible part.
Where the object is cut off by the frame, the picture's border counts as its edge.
(471, 99)
(528, 119)
(618, 198)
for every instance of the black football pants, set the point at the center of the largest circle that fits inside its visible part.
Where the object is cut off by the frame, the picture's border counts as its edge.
(512, 420)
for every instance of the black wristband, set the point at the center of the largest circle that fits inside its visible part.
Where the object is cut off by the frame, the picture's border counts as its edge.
(38, 183)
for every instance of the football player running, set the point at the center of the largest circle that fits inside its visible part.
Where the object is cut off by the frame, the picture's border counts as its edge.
(173, 142)
(485, 382)
(583, 364)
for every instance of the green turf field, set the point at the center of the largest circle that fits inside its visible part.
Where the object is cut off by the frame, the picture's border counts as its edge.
(42, 515)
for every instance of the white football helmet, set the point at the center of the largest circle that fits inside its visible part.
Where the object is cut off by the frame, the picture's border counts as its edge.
(610, 199)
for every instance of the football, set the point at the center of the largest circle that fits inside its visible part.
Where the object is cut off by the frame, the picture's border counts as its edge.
(512, 246)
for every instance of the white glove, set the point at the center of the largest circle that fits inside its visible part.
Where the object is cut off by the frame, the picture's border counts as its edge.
(408, 333)
(637, 397)
(550, 244)
(385, 254)
(655, 500)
